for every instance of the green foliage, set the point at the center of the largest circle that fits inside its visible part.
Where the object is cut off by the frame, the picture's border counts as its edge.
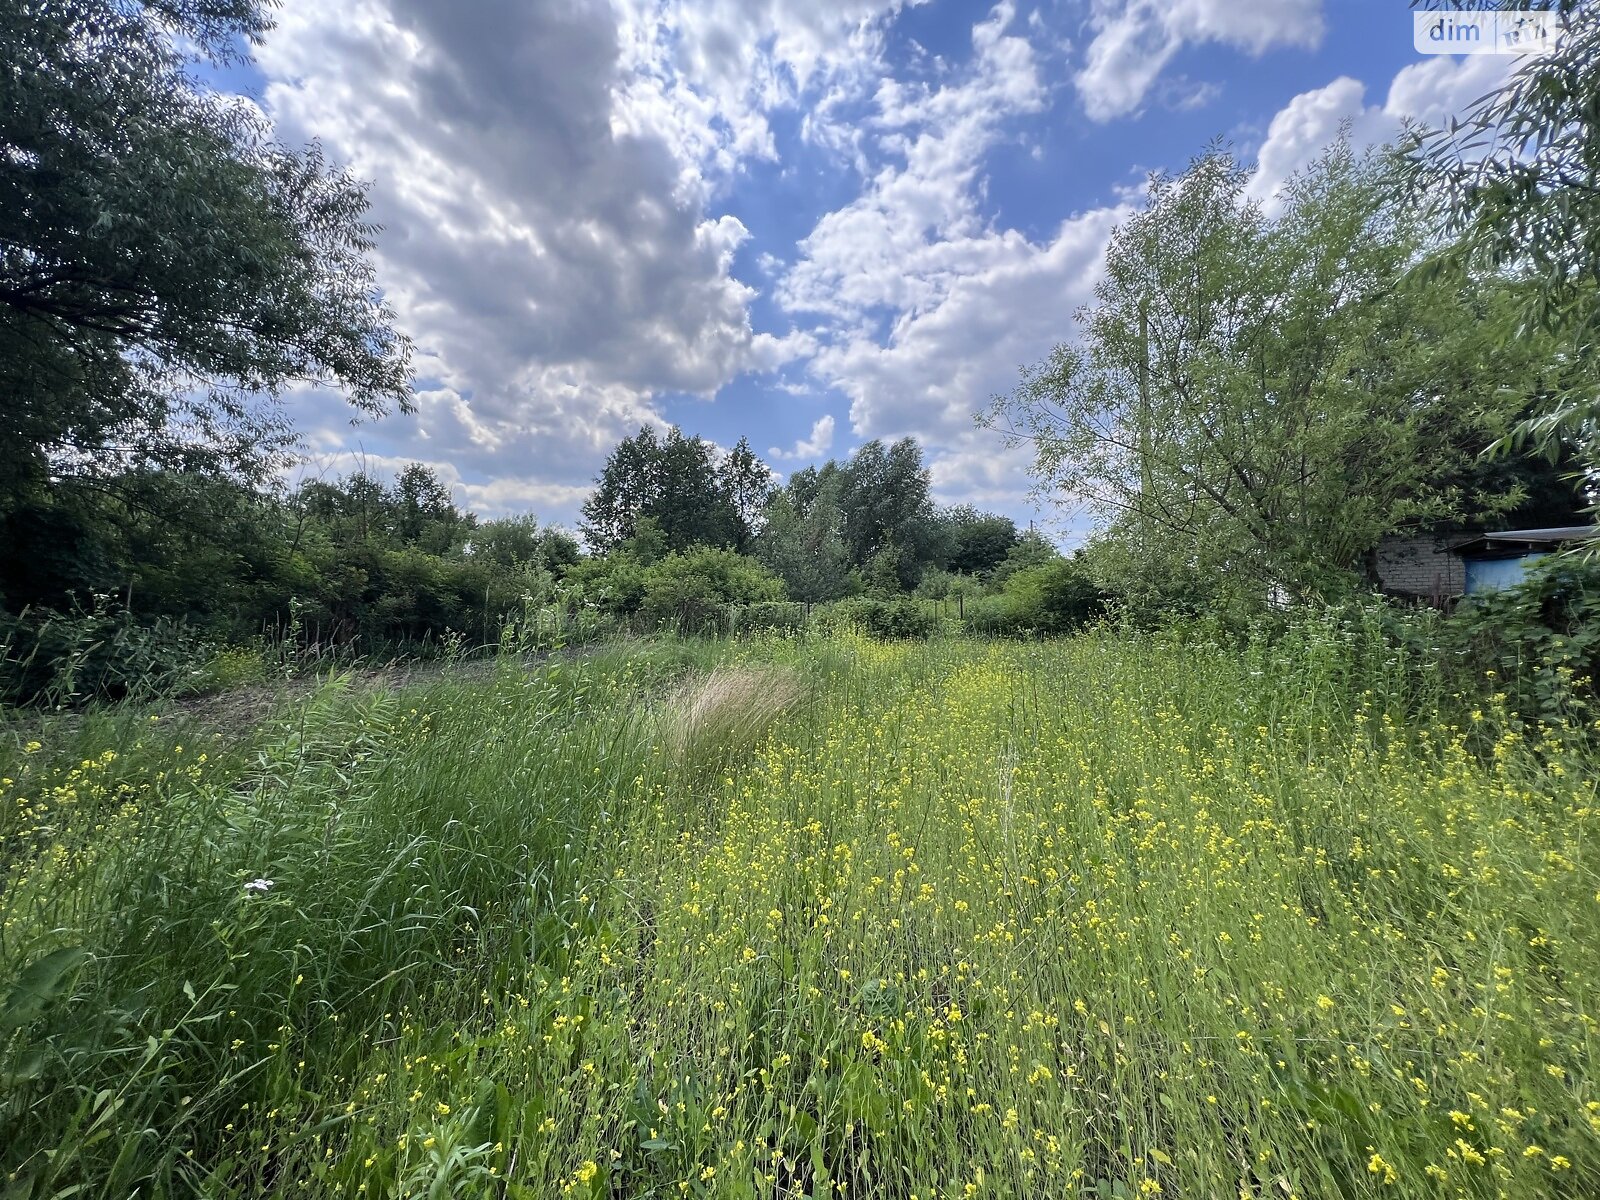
(1514, 188)
(975, 543)
(692, 590)
(198, 939)
(895, 619)
(884, 574)
(947, 585)
(613, 585)
(232, 667)
(1051, 598)
(64, 659)
(888, 513)
(352, 566)
(695, 496)
(1258, 398)
(165, 267)
(866, 523)
(802, 541)
(1032, 550)
(1538, 642)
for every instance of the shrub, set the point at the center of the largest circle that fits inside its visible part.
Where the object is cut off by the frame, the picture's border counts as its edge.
(887, 620)
(1053, 597)
(937, 584)
(64, 659)
(692, 589)
(613, 585)
(1541, 639)
(771, 616)
(988, 615)
(1048, 598)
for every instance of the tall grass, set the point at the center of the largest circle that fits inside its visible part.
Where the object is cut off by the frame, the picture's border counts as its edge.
(1104, 917)
(714, 719)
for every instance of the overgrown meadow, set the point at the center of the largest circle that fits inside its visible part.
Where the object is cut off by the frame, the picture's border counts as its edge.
(1107, 916)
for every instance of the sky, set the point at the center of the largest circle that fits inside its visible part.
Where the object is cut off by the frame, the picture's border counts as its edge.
(805, 222)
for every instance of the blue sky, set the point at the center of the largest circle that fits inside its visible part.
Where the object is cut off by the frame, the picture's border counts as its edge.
(805, 222)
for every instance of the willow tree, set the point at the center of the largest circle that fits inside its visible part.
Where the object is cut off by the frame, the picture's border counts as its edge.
(1258, 394)
(166, 267)
(1512, 188)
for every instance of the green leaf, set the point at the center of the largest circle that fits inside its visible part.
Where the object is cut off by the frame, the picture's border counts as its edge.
(42, 981)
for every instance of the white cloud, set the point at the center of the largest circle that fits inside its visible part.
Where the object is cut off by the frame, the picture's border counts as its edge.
(514, 495)
(926, 309)
(815, 446)
(1134, 40)
(545, 176)
(916, 229)
(711, 72)
(1430, 91)
(943, 363)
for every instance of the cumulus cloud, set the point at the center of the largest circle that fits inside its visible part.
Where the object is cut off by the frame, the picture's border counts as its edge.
(545, 178)
(925, 308)
(1134, 40)
(711, 72)
(944, 361)
(815, 446)
(1430, 92)
(916, 228)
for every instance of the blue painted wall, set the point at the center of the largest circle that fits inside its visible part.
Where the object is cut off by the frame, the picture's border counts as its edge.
(1492, 574)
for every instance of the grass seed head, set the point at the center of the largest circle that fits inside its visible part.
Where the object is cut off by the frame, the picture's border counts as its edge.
(719, 716)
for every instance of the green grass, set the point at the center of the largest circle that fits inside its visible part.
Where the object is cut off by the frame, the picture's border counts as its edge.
(1104, 917)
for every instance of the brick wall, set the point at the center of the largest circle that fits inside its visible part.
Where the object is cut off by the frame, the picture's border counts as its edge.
(1420, 566)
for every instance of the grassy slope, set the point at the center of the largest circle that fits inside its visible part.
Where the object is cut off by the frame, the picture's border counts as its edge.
(1141, 917)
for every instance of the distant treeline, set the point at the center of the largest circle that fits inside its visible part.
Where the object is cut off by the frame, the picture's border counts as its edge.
(1261, 390)
(145, 570)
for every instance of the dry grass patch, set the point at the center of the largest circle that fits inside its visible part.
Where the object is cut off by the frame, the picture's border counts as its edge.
(716, 718)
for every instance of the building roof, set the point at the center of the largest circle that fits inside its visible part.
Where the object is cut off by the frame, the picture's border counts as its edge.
(1509, 543)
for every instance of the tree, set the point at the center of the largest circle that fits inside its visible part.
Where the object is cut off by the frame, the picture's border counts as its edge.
(802, 539)
(975, 543)
(424, 513)
(1032, 549)
(696, 495)
(748, 484)
(1051, 597)
(1255, 400)
(165, 269)
(1514, 188)
(693, 588)
(507, 542)
(885, 499)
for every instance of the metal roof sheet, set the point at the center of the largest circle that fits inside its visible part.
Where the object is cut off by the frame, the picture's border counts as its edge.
(1507, 541)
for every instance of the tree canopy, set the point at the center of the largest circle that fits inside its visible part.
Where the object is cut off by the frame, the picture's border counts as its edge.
(694, 494)
(1257, 398)
(1513, 189)
(166, 269)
